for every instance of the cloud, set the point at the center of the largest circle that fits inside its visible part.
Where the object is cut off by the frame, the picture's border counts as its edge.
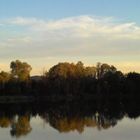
(82, 36)
(82, 26)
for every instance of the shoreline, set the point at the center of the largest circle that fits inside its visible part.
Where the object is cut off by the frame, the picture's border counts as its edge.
(29, 99)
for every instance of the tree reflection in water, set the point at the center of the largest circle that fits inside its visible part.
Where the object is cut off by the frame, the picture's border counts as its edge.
(21, 126)
(66, 116)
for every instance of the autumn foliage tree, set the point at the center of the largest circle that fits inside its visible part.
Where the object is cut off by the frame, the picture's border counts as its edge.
(4, 78)
(20, 70)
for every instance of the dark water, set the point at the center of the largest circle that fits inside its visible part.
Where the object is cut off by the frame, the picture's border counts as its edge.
(88, 120)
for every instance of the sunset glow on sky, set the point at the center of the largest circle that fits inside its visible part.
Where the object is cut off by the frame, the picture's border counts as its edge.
(45, 32)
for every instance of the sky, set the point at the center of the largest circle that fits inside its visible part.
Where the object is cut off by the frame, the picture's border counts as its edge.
(45, 32)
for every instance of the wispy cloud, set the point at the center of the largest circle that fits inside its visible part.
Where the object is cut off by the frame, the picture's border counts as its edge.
(82, 26)
(81, 36)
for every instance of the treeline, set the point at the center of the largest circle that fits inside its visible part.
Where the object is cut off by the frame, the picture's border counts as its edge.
(69, 80)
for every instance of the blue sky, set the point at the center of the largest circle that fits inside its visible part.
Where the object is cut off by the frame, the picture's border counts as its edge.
(124, 9)
(44, 32)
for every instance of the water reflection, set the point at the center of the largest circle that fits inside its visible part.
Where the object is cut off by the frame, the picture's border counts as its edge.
(21, 126)
(67, 116)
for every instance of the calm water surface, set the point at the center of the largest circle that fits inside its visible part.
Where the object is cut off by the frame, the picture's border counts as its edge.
(69, 121)
(126, 129)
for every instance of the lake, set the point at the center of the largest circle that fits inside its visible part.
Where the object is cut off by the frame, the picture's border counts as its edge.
(70, 120)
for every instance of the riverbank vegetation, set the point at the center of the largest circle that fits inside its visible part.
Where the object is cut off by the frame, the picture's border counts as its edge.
(69, 81)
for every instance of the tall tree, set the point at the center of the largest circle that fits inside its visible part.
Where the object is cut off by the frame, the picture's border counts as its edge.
(20, 70)
(102, 69)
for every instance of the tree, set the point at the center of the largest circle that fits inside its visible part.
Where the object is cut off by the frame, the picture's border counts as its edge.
(102, 69)
(20, 70)
(80, 69)
(90, 71)
(4, 77)
(62, 70)
(133, 83)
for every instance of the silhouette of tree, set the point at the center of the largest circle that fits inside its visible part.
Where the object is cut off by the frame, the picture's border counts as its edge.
(102, 69)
